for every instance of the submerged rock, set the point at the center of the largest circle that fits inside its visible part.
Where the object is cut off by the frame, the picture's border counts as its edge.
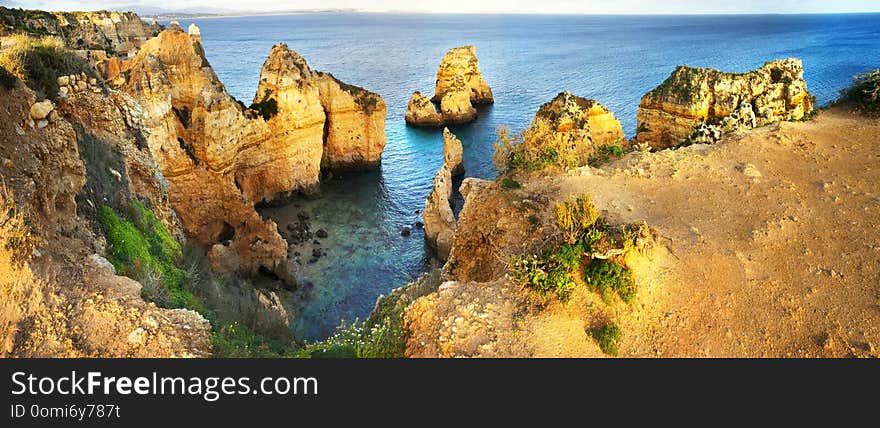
(690, 97)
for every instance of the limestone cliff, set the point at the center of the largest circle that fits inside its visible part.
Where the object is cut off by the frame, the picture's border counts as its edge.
(452, 153)
(580, 120)
(52, 157)
(670, 113)
(216, 160)
(462, 62)
(456, 106)
(221, 158)
(119, 33)
(420, 111)
(438, 216)
(343, 125)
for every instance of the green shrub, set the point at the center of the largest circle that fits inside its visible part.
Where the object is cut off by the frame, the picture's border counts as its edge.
(607, 337)
(233, 340)
(508, 184)
(534, 149)
(544, 274)
(143, 249)
(864, 92)
(604, 153)
(608, 277)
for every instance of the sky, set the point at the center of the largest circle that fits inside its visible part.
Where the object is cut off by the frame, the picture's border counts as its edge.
(465, 6)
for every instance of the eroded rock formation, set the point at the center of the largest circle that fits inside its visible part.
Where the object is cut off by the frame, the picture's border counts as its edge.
(462, 63)
(221, 158)
(420, 111)
(438, 216)
(670, 113)
(452, 153)
(456, 106)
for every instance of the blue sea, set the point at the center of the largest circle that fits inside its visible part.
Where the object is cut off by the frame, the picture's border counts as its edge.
(526, 60)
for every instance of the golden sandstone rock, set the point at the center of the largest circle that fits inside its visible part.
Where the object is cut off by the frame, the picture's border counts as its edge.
(452, 153)
(670, 113)
(583, 122)
(420, 111)
(220, 158)
(462, 61)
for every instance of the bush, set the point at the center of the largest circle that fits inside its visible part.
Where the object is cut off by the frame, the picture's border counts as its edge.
(864, 92)
(509, 184)
(233, 340)
(143, 249)
(535, 148)
(38, 62)
(576, 217)
(606, 277)
(604, 153)
(607, 337)
(546, 274)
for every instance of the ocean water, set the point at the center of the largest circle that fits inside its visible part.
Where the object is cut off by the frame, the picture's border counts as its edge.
(526, 60)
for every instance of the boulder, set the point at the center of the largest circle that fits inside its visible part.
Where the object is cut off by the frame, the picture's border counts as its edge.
(41, 110)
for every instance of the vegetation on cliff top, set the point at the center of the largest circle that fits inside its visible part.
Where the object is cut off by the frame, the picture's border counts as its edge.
(864, 93)
(588, 245)
(38, 62)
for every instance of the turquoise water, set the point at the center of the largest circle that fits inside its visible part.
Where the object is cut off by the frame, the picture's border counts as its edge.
(526, 60)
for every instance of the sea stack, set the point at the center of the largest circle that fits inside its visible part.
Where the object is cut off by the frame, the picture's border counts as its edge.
(420, 111)
(459, 86)
(462, 62)
(438, 216)
(672, 112)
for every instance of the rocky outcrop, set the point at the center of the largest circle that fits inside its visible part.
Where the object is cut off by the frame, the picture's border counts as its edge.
(438, 216)
(455, 106)
(343, 125)
(420, 111)
(459, 71)
(452, 153)
(582, 122)
(355, 136)
(670, 113)
(120, 33)
(221, 158)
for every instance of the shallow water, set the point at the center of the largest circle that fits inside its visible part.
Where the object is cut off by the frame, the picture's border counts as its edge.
(526, 60)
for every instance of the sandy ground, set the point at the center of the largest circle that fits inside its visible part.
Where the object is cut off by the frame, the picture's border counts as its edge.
(770, 247)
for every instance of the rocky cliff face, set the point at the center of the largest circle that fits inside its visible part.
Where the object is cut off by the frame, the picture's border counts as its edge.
(119, 33)
(217, 161)
(58, 162)
(670, 113)
(462, 63)
(584, 123)
(456, 106)
(343, 125)
(420, 111)
(221, 158)
(438, 216)
(452, 153)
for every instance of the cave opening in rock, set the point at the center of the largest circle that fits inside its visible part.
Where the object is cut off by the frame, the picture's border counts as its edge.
(227, 234)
